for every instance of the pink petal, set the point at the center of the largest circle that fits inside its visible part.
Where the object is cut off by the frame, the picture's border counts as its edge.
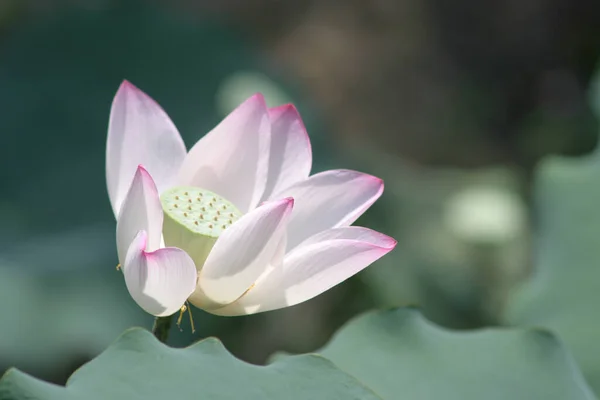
(242, 254)
(232, 159)
(141, 210)
(290, 156)
(315, 266)
(161, 281)
(328, 200)
(139, 132)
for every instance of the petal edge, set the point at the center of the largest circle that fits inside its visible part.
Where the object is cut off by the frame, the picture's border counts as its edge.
(232, 159)
(139, 132)
(161, 281)
(312, 268)
(242, 254)
(290, 156)
(141, 210)
(329, 199)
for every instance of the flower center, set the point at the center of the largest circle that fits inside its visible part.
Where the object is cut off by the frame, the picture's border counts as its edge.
(194, 219)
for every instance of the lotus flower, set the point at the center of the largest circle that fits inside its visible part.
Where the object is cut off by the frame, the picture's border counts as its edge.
(236, 225)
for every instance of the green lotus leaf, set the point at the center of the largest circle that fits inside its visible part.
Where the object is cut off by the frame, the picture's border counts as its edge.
(400, 355)
(563, 292)
(137, 366)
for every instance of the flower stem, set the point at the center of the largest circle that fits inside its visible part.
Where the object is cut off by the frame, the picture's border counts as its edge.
(161, 328)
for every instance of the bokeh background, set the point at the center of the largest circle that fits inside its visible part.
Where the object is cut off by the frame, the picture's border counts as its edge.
(453, 104)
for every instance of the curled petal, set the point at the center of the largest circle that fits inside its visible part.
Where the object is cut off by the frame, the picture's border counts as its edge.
(242, 254)
(315, 266)
(328, 200)
(232, 159)
(290, 156)
(139, 132)
(141, 210)
(160, 281)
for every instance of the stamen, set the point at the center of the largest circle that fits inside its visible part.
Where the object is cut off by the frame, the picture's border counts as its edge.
(182, 310)
(191, 319)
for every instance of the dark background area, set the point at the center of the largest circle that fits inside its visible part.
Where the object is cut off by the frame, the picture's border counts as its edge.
(451, 103)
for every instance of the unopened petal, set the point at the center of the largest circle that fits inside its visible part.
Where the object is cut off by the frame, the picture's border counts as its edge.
(290, 157)
(141, 210)
(328, 200)
(232, 159)
(242, 254)
(139, 132)
(317, 265)
(161, 281)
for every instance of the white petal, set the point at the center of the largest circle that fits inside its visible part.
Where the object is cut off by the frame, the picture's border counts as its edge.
(232, 159)
(290, 156)
(139, 132)
(320, 263)
(328, 200)
(241, 254)
(161, 281)
(141, 210)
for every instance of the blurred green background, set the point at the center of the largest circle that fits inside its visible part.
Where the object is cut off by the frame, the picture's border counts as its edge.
(453, 104)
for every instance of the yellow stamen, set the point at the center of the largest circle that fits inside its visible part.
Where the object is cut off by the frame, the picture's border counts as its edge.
(182, 310)
(191, 319)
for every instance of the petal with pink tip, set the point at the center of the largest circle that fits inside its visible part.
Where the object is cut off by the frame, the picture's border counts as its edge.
(160, 281)
(242, 254)
(139, 132)
(328, 200)
(232, 159)
(290, 155)
(318, 264)
(141, 210)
